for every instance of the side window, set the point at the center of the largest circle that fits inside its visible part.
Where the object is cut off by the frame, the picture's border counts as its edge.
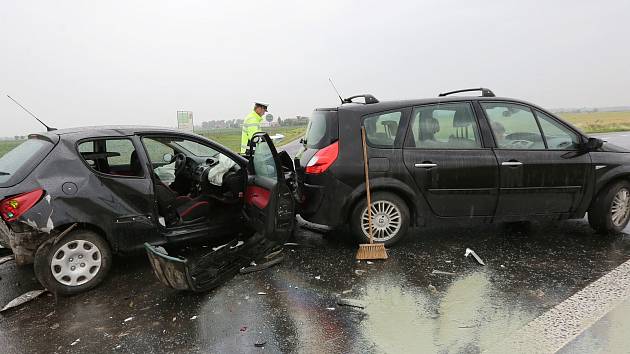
(514, 126)
(444, 126)
(264, 164)
(557, 135)
(381, 129)
(115, 157)
(156, 150)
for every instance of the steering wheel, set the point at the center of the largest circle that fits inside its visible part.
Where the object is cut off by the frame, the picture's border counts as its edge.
(180, 163)
(522, 144)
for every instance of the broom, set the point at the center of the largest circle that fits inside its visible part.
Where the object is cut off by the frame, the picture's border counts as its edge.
(370, 250)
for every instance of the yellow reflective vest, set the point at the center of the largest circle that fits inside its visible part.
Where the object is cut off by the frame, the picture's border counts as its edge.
(251, 125)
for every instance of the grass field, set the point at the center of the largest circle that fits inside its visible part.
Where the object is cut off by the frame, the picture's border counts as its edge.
(232, 137)
(8, 145)
(599, 122)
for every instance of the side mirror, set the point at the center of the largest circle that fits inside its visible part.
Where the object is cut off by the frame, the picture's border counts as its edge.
(593, 144)
(168, 158)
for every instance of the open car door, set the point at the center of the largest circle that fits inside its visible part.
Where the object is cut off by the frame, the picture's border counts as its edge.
(268, 207)
(269, 203)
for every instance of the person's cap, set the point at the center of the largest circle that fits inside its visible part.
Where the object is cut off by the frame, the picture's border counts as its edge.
(258, 103)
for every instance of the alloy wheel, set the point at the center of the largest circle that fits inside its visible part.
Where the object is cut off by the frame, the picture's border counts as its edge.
(386, 220)
(620, 209)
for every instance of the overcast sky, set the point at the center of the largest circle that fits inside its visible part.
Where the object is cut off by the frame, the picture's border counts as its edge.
(79, 63)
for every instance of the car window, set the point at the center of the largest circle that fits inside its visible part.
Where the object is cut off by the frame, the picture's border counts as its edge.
(514, 126)
(20, 161)
(156, 150)
(557, 135)
(116, 157)
(381, 129)
(322, 129)
(264, 164)
(444, 126)
(196, 148)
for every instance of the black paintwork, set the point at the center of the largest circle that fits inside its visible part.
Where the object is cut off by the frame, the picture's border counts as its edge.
(121, 208)
(468, 185)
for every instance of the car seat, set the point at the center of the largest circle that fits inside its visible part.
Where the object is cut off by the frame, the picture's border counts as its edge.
(428, 126)
(462, 137)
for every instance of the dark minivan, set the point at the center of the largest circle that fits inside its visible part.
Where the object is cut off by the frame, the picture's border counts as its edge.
(455, 159)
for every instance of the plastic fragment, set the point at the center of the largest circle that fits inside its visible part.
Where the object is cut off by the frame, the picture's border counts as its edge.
(22, 299)
(442, 272)
(359, 271)
(318, 277)
(291, 244)
(370, 262)
(262, 293)
(260, 344)
(471, 252)
(351, 303)
(346, 291)
(330, 308)
(6, 259)
(75, 342)
(128, 319)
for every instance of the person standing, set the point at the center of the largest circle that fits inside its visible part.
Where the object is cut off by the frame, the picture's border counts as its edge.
(251, 124)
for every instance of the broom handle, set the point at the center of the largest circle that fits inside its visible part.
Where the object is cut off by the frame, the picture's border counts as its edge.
(367, 183)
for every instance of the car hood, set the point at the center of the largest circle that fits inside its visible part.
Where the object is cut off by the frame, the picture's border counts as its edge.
(608, 147)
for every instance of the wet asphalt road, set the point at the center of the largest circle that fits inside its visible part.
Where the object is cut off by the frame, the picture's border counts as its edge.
(529, 269)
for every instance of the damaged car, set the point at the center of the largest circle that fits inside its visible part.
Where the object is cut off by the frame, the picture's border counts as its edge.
(70, 199)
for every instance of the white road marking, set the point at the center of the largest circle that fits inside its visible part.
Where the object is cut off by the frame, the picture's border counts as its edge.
(559, 326)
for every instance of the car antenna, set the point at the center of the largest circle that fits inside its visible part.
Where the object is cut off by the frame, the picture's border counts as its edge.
(337, 91)
(29, 112)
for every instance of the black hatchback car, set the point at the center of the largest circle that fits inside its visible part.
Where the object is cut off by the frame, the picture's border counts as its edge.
(71, 198)
(455, 159)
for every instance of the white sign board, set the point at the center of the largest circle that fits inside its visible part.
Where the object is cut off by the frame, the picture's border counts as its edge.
(185, 121)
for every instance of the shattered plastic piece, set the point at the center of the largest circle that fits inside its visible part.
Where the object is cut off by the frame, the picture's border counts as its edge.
(359, 271)
(22, 299)
(502, 266)
(55, 326)
(351, 303)
(6, 259)
(174, 319)
(432, 289)
(75, 342)
(442, 273)
(448, 261)
(291, 244)
(128, 319)
(193, 318)
(262, 293)
(330, 308)
(370, 262)
(260, 344)
(346, 291)
(318, 277)
(469, 251)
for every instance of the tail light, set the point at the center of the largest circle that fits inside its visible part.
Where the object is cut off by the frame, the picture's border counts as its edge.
(323, 159)
(12, 208)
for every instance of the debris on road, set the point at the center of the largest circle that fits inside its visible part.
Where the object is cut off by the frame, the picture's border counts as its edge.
(243, 328)
(330, 308)
(291, 244)
(55, 326)
(370, 262)
(6, 259)
(439, 272)
(469, 252)
(318, 277)
(262, 293)
(260, 344)
(351, 303)
(359, 271)
(22, 299)
(128, 319)
(75, 342)
(193, 318)
(346, 291)
(433, 290)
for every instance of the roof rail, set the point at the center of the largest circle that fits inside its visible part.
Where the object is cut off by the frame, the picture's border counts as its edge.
(484, 92)
(369, 99)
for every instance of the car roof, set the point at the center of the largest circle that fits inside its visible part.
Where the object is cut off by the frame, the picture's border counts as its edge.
(109, 131)
(381, 106)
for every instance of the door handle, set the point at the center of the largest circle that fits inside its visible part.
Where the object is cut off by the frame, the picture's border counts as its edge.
(425, 165)
(512, 163)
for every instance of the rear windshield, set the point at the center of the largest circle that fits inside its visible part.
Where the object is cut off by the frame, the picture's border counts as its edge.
(16, 164)
(322, 130)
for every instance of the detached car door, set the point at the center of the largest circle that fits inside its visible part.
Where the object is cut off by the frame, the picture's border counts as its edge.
(269, 205)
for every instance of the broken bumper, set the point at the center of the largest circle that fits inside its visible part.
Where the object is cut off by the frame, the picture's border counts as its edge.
(23, 244)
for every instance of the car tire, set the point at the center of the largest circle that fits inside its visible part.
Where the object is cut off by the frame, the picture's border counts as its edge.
(76, 263)
(390, 219)
(610, 212)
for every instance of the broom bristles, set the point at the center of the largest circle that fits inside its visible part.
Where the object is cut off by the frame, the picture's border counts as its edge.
(371, 251)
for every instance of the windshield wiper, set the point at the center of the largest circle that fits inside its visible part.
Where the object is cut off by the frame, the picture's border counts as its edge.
(4, 173)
